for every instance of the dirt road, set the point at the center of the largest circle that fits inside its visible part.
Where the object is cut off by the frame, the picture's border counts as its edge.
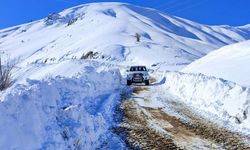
(154, 121)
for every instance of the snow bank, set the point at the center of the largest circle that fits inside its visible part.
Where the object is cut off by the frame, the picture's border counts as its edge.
(61, 113)
(221, 97)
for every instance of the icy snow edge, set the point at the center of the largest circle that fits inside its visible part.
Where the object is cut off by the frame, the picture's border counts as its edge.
(61, 113)
(223, 98)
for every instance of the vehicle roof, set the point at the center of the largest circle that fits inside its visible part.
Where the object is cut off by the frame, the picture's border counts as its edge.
(137, 66)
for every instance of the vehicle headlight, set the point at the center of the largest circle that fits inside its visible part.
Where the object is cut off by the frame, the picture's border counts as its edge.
(130, 76)
(146, 76)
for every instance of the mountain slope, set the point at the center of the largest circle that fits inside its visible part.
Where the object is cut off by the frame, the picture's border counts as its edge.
(109, 29)
(230, 62)
(67, 88)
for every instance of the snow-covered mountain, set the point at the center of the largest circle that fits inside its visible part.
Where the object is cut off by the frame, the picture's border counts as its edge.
(109, 29)
(230, 63)
(67, 85)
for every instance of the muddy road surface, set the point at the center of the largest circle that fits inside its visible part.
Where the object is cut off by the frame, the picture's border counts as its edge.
(152, 120)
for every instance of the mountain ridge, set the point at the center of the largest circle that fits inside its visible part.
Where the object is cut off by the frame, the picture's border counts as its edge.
(169, 41)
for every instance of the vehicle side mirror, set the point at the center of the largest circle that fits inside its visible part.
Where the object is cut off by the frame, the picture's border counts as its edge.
(127, 70)
(150, 70)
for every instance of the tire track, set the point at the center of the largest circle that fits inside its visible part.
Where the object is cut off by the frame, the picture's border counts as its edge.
(154, 128)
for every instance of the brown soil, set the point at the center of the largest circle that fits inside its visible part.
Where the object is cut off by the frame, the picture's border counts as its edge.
(139, 135)
(139, 89)
(152, 80)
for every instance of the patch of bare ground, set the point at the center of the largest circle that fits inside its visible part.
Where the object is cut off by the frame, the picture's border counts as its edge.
(149, 128)
(139, 135)
(152, 80)
(139, 89)
(209, 130)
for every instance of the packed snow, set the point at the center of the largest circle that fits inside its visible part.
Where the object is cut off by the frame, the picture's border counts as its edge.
(230, 63)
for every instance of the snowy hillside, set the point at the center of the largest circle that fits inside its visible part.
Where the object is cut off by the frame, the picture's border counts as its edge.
(109, 29)
(69, 72)
(230, 63)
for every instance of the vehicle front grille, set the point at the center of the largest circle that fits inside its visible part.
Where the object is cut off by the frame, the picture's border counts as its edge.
(138, 77)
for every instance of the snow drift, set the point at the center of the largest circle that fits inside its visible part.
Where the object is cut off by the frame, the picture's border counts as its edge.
(61, 113)
(230, 63)
(223, 98)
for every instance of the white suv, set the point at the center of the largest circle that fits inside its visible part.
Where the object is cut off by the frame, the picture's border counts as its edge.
(137, 74)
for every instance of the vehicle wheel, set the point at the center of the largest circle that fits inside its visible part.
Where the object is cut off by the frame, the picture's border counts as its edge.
(129, 82)
(146, 82)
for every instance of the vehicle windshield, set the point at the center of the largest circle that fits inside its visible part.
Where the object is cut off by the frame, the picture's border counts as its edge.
(139, 68)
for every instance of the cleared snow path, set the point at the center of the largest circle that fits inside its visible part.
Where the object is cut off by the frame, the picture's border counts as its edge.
(153, 119)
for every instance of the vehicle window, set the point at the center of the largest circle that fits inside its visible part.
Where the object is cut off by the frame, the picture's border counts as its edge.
(138, 69)
(132, 69)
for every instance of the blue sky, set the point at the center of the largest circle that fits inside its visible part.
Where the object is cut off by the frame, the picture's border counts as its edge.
(212, 12)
